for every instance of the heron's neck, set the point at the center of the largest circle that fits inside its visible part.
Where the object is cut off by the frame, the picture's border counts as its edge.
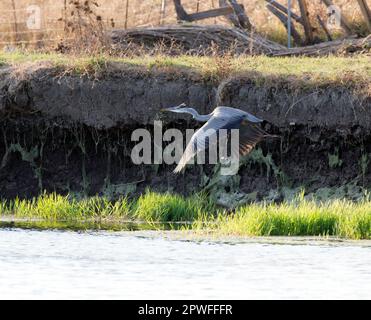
(199, 117)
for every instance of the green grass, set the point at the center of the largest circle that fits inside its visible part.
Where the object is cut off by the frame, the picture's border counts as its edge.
(169, 207)
(57, 207)
(323, 70)
(341, 218)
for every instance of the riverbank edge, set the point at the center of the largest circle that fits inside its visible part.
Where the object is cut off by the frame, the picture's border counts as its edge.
(68, 123)
(12, 223)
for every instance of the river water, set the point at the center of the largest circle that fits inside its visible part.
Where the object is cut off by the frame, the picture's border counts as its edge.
(154, 265)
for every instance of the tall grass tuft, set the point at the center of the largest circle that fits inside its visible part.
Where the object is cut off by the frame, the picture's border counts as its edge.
(57, 207)
(153, 206)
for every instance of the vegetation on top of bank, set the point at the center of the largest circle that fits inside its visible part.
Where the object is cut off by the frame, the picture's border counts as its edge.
(309, 70)
(301, 217)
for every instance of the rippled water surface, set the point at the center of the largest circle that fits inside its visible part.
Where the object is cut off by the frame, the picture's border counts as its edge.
(129, 265)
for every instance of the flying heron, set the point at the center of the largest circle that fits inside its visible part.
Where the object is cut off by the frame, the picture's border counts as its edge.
(221, 118)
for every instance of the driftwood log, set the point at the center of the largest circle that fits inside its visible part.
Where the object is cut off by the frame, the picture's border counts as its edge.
(347, 46)
(196, 39)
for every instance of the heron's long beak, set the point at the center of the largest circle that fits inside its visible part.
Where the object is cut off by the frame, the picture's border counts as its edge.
(182, 105)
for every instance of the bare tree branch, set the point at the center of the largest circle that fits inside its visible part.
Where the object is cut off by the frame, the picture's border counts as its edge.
(323, 26)
(283, 18)
(184, 16)
(210, 13)
(284, 10)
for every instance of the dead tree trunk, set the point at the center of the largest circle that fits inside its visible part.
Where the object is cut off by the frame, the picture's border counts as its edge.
(306, 22)
(365, 12)
(239, 10)
(238, 18)
(231, 17)
(181, 14)
(15, 23)
(344, 22)
(162, 11)
(126, 14)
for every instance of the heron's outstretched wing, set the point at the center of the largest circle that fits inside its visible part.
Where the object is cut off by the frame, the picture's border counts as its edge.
(250, 135)
(202, 138)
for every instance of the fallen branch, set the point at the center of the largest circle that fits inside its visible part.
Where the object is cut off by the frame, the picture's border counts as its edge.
(344, 46)
(205, 39)
(195, 39)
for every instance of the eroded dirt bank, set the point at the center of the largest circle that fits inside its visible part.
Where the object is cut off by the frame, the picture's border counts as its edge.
(70, 133)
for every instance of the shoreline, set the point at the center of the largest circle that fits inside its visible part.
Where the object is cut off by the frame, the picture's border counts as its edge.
(191, 235)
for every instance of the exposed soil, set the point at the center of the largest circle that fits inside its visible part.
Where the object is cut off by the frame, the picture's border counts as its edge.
(71, 133)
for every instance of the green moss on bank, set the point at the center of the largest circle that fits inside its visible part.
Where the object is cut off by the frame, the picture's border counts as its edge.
(341, 218)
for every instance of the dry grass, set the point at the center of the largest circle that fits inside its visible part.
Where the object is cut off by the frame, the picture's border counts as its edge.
(115, 14)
